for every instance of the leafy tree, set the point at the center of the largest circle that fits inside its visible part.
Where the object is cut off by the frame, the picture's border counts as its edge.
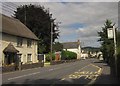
(118, 52)
(107, 45)
(57, 46)
(38, 20)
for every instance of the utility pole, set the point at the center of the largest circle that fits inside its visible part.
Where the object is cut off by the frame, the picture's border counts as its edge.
(115, 49)
(112, 35)
(51, 41)
(25, 14)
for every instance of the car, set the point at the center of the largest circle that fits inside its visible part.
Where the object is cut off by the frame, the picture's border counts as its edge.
(101, 58)
(83, 58)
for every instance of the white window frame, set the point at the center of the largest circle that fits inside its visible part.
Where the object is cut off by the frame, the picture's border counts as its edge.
(29, 43)
(19, 41)
(29, 58)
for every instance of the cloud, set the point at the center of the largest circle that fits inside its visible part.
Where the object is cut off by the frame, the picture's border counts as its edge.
(81, 20)
(60, 1)
(90, 15)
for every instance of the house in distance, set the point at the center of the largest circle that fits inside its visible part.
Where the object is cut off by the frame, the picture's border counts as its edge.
(73, 47)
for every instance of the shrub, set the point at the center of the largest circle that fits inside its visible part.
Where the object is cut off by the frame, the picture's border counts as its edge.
(68, 55)
(48, 57)
(118, 60)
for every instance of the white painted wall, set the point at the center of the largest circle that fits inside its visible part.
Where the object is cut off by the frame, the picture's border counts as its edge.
(24, 50)
(76, 50)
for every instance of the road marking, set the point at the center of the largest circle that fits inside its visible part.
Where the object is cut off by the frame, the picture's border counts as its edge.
(91, 73)
(93, 79)
(95, 66)
(20, 71)
(37, 68)
(62, 79)
(79, 70)
(87, 74)
(23, 76)
(51, 69)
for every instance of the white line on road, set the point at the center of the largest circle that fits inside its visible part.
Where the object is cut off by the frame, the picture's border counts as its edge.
(23, 76)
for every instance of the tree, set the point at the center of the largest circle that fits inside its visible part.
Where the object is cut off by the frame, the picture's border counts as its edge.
(57, 46)
(107, 45)
(38, 20)
(118, 52)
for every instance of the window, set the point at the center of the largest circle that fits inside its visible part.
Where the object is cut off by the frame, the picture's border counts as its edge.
(19, 57)
(19, 41)
(29, 43)
(28, 57)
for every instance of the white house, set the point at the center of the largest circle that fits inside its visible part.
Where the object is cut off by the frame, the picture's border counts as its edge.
(73, 47)
(18, 42)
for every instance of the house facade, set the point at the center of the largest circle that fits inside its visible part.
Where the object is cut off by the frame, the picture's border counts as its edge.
(19, 44)
(73, 47)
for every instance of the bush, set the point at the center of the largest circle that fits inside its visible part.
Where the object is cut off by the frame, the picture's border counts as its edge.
(118, 61)
(48, 57)
(68, 55)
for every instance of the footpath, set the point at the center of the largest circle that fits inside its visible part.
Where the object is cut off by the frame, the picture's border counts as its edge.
(106, 77)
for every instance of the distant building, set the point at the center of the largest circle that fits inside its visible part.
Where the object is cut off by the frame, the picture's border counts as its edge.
(73, 47)
(18, 42)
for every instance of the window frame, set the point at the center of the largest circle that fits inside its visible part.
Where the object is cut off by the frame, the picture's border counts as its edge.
(19, 41)
(29, 43)
(29, 59)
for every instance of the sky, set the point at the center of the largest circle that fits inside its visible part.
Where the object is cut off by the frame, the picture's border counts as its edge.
(79, 20)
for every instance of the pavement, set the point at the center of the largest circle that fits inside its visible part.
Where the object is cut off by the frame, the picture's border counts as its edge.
(84, 72)
(106, 77)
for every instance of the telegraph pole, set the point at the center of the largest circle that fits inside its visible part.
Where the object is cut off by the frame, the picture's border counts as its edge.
(115, 48)
(25, 14)
(51, 41)
(112, 35)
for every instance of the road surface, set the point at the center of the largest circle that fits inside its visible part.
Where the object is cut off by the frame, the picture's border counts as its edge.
(80, 72)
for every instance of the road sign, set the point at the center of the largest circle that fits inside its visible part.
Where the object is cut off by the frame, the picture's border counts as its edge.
(110, 33)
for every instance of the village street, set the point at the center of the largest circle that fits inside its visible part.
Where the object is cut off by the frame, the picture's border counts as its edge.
(89, 71)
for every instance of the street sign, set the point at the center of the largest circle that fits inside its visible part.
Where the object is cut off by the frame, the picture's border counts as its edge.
(110, 33)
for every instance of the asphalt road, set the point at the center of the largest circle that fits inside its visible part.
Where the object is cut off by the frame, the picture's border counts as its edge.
(79, 72)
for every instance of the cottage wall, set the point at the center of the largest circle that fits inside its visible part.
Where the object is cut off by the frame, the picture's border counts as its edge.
(24, 50)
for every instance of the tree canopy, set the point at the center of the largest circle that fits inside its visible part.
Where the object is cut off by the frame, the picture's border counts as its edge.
(38, 20)
(107, 45)
(57, 46)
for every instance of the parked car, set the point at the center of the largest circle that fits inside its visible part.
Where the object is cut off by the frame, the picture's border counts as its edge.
(101, 58)
(84, 56)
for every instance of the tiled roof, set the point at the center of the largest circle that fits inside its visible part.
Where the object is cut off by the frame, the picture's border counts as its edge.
(10, 48)
(70, 45)
(13, 26)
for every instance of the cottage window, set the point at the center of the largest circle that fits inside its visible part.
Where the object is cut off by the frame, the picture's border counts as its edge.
(19, 57)
(29, 58)
(29, 43)
(19, 41)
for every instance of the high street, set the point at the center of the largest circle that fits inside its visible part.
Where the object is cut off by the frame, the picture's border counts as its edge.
(85, 72)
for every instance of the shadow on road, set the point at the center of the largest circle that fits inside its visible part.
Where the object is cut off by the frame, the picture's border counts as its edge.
(108, 74)
(103, 79)
(53, 82)
(106, 79)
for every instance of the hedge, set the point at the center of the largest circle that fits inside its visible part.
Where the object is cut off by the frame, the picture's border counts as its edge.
(68, 55)
(48, 57)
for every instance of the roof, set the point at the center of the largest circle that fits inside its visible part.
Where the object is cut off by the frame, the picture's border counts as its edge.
(13, 26)
(10, 48)
(70, 45)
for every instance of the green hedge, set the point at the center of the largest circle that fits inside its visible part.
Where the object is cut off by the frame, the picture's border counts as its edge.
(68, 55)
(118, 61)
(48, 57)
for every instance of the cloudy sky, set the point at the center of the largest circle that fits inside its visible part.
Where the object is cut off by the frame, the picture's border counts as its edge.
(80, 20)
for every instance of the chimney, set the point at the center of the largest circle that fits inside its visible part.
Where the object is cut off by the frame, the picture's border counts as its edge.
(78, 41)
